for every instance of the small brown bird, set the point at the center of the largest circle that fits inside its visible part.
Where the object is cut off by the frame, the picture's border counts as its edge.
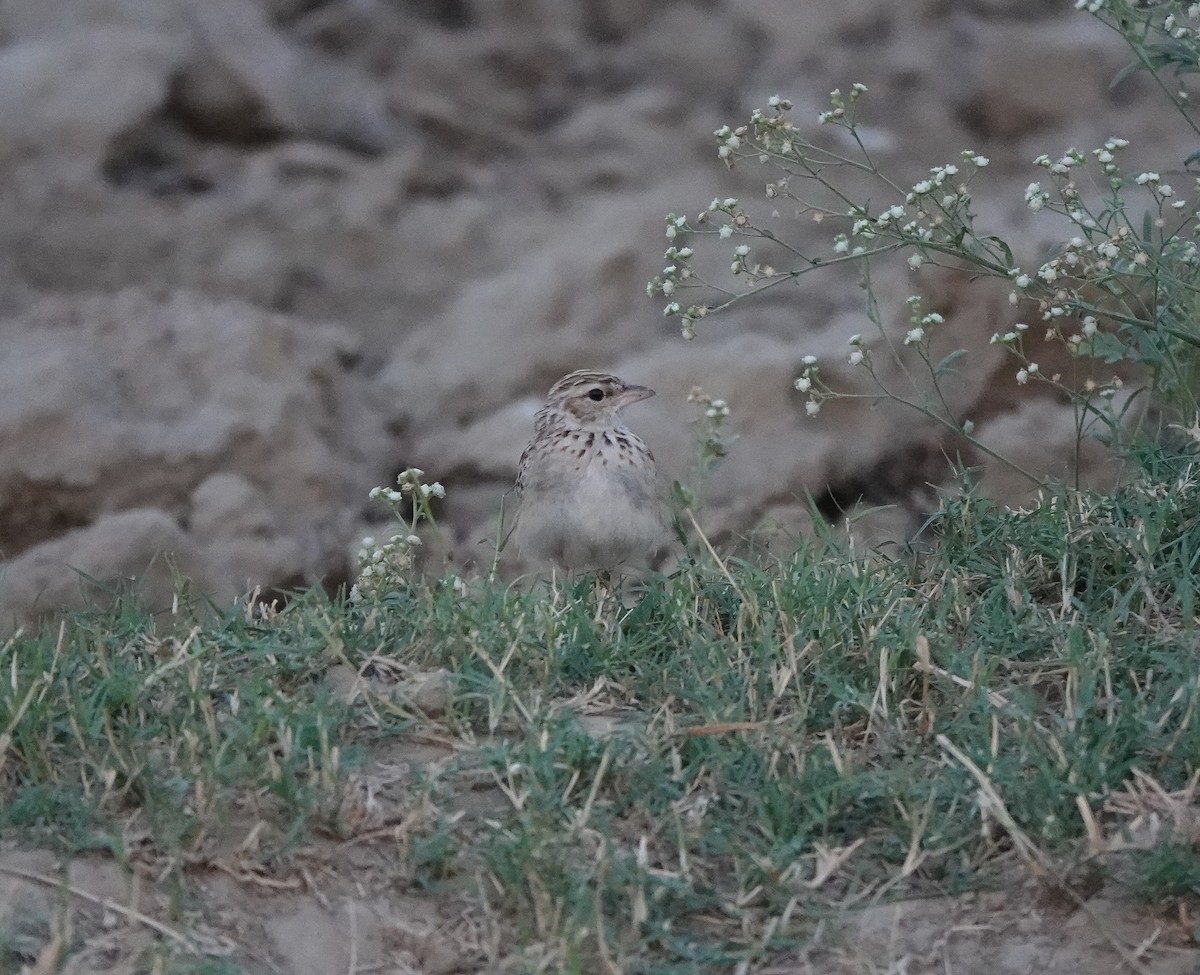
(587, 486)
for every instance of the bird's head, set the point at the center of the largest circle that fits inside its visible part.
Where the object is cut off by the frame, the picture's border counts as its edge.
(595, 399)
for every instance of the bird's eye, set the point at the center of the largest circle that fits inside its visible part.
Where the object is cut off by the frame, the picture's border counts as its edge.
(596, 394)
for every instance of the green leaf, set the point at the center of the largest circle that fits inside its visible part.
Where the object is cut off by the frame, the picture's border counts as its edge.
(1107, 347)
(944, 367)
(1004, 248)
(1125, 72)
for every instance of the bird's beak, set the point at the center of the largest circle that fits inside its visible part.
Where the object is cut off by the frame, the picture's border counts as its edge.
(632, 394)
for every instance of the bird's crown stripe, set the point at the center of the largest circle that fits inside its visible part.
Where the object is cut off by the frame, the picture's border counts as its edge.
(583, 377)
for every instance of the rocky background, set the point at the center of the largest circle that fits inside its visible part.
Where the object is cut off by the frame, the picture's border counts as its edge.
(257, 256)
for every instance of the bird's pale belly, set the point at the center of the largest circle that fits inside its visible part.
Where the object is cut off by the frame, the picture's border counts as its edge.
(593, 520)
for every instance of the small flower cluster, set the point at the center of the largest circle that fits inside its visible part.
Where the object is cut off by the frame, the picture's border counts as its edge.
(713, 440)
(837, 103)
(1181, 31)
(921, 324)
(941, 215)
(859, 354)
(386, 567)
(809, 381)
(680, 273)
(1106, 256)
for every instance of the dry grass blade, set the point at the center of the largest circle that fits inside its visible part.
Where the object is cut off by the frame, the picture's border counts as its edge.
(137, 916)
(1034, 855)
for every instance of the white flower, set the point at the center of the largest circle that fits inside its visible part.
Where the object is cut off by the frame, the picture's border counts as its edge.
(1022, 281)
(915, 261)
(741, 250)
(980, 161)
(1022, 377)
(841, 244)
(1035, 197)
(856, 357)
(804, 384)
(809, 360)
(671, 231)
(812, 407)
(1143, 178)
(726, 231)
(914, 335)
(968, 427)
(413, 540)
(668, 288)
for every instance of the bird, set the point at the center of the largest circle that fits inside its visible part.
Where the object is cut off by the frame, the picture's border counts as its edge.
(587, 486)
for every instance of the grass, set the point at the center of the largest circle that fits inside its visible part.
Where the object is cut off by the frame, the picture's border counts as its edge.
(684, 778)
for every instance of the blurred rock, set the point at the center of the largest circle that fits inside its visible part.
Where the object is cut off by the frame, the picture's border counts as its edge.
(246, 81)
(70, 95)
(1015, 67)
(254, 425)
(141, 551)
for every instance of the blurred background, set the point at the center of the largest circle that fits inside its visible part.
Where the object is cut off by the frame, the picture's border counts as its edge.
(257, 256)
